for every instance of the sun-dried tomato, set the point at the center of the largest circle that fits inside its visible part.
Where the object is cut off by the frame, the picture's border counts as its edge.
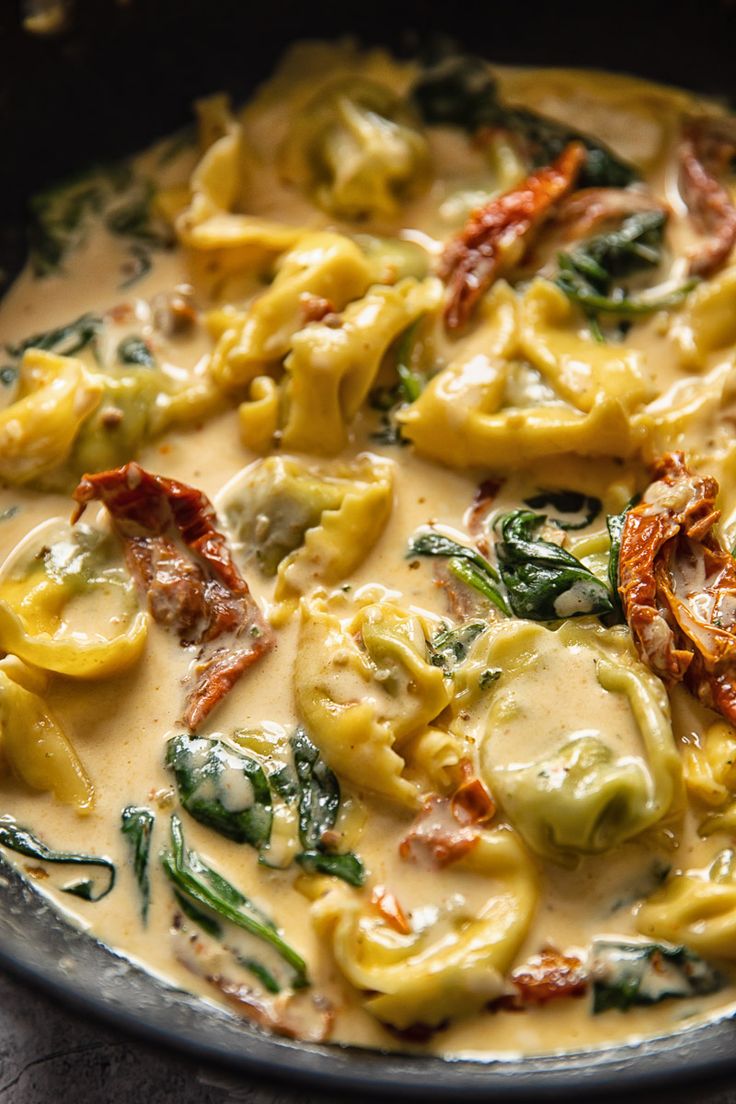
(707, 149)
(678, 585)
(549, 975)
(389, 907)
(496, 236)
(183, 564)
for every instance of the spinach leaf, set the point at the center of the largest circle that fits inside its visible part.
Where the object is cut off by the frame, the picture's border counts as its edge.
(319, 804)
(627, 974)
(588, 273)
(411, 382)
(64, 340)
(222, 788)
(466, 563)
(458, 90)
(134, 218)
(24, 842)
(567, 502)
(544, 582)
(319, 791)
(449, 648)
(137, 824)
(133, 350)
(346, 866)
(208, 892)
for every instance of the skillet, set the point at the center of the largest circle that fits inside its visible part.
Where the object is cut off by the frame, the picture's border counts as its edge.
(122, 74)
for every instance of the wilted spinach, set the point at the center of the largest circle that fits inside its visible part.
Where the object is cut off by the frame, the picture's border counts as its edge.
(207, 892)
(589, 273)
(467, 564)
(544, 582)
(567, 502)
(458, 90)
(222, 788)
(450, 647)
(64, 340)
(133, 350)
(24, 842)
(628, 974)
(318, 797)
(136, 823)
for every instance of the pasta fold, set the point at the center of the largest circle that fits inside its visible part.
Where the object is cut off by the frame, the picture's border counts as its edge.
(33, 745)
(58, 568)
(363, 686)
(454, 967)
(305, 526)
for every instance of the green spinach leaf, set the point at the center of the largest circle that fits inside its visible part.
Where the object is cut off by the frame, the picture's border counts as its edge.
(222, 787)
(458, 90)
(544, 582)
(466, 563)
(25, 843)
(133, 350)
(137, 825)
(319, 804)
(208, 892)
(64, 340)
(628, 974)
(567, 502)
(449, 648)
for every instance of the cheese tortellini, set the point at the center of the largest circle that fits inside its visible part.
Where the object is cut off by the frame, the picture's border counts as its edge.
(37, 431)
(537, 388)
(213, 222)
(363, 687)
(598, 773)
(356, 149)
(454, 966)
(323, 266)
(696, 908)
(49, 587)
(68, 419)
(332, 368)
(33, 744)
(307, 527)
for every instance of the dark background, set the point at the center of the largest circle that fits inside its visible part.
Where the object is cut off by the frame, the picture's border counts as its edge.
(123, 73)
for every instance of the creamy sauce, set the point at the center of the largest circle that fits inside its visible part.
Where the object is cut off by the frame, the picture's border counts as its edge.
(120, 725)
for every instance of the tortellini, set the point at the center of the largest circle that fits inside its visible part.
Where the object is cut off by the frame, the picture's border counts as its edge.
(450, 969)
(37, 431)
(363, 687)
(331, 368)
(710, 769)
(604, 766)
(356, 149)
(67, 419)
(213, 221)
(324, 266)
(307, 527)
(707, 323)
(696, 908)
(58, 589)
(33, 745)
(491, 408)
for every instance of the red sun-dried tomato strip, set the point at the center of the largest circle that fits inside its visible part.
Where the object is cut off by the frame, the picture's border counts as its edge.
(678, 585)
(496, 236)
(183, 564)
(549, 975)
(707, 148)
(446, 829)
(389, 907)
